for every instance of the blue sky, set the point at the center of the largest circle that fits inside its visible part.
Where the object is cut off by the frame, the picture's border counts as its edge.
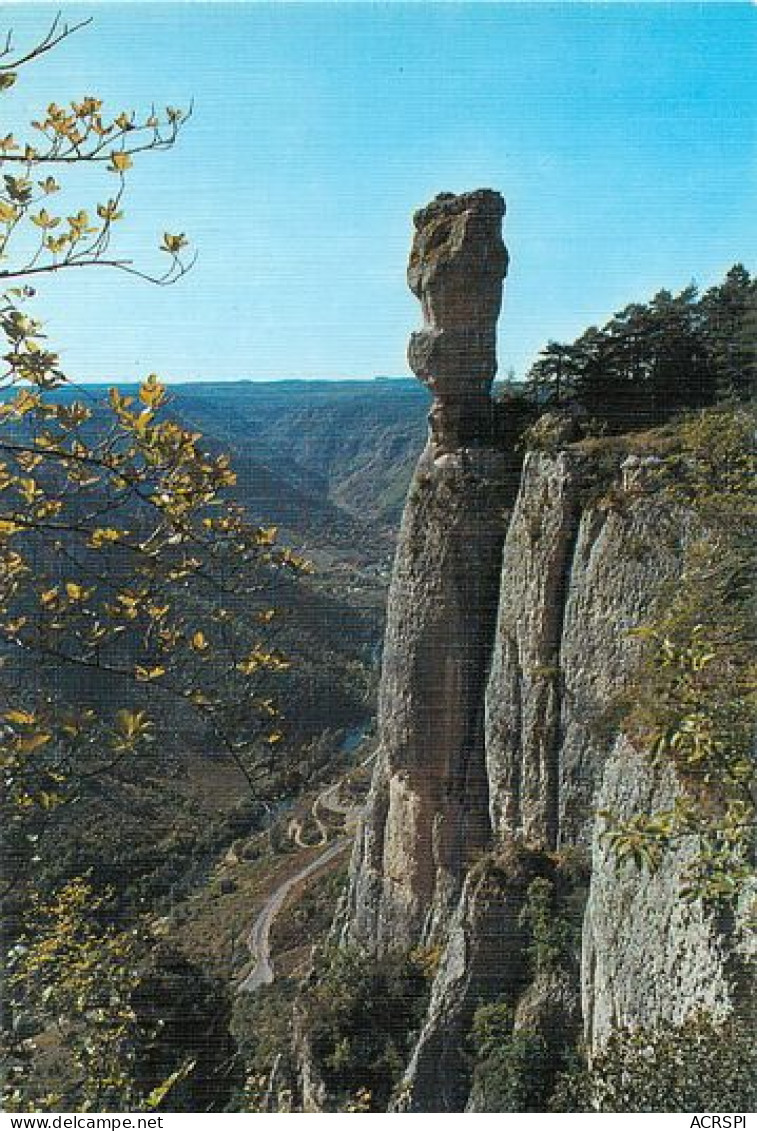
(621, 135)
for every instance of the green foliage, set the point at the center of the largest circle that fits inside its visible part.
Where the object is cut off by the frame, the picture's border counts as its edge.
(514, 1069)
(308, 917)
(136, 1026)
(700, 1065)
(361, 1014)
(124, 565)
(730, 313)
(262, 1028)
(124, 560)
(550, 932)
(513, 412)
(184, 1019)
(358, 1016)
(71, 974)
(696, 694)
(652, 359)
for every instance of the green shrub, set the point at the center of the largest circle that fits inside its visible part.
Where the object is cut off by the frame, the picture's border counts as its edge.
(361, 1015)
(514, 1070)
(694, 700)
(700, 1065)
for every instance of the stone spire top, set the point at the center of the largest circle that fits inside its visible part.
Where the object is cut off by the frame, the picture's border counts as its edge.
(457, 266)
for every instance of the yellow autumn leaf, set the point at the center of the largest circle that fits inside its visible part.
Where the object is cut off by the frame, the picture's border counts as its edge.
(173, 243)
(103, 536)
(144, 675)
(43, 219)
(31, 742)
(131, 724)
(109, 212)
(120, 162)
(152, 393)
(19, 718)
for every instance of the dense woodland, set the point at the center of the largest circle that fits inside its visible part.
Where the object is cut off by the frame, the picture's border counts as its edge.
(654, 358)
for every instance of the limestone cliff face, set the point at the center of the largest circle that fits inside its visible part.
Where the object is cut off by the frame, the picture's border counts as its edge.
(649, 955)
(585, 553)
(485, 956)
(583, 564)
(428, 809)
(509, 643)
(427, 812)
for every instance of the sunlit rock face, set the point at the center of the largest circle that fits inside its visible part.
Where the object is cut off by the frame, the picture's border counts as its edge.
(649, 954)
(578, 576)
(457, 265)
(510, 653)
(428, 815)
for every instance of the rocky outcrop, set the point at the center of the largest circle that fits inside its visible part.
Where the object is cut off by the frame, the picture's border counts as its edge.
(313, 1094)
(507, 656)
(524, 698)
(592, 542)
(586, 554)
(590, 545)
(427, 814)
(648, 954)
(457, 264)
(485, 957)
(496, 953)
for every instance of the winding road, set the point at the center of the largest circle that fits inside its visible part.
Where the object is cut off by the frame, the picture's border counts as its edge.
(259, 938)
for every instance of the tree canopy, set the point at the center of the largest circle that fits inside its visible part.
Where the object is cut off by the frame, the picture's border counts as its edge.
(136, 598)
(653, 359)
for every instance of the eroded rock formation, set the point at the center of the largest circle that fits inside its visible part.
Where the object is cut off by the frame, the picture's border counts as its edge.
(457, 264)
(578, 574)
(648, 954)
(509, 643)
(586, 556)
(427, 814)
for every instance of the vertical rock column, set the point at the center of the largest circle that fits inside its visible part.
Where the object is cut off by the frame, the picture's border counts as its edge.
(457, 265)
(427, 814)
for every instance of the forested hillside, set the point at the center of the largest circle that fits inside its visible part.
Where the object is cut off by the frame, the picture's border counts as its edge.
(352, 444)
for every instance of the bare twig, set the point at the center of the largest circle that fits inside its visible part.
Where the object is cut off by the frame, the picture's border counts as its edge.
(55, 35)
